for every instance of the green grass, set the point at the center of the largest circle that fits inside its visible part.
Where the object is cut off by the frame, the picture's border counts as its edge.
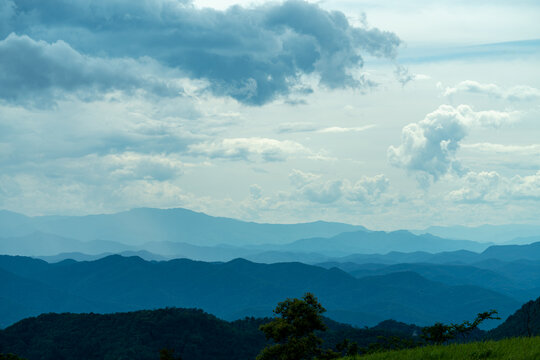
(508, 349)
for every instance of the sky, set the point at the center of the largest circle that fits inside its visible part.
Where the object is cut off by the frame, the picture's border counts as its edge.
(387, 114)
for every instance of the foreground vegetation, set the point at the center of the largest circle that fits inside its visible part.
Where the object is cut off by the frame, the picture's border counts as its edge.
(141, 335)
(297, 332)
(515, 349)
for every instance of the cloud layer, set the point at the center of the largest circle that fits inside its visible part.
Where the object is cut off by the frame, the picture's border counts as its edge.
(514, 93)
(249, 149)
(367, 190)
(250, 54)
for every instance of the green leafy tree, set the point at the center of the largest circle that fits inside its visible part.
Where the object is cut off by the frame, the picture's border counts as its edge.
(293, 331)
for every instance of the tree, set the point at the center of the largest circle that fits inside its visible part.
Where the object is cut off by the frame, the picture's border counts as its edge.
(293, 331)
(440, 333)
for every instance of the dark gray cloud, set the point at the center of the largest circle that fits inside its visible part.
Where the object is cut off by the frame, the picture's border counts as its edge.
(250, 54)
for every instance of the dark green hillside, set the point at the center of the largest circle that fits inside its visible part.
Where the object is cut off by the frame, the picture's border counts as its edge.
(193, 334)
(524, 322)
(138, 335)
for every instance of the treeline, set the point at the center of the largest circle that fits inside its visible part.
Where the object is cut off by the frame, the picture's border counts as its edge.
(191, 333)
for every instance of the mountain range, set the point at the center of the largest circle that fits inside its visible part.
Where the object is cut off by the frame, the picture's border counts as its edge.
(233, 290)
(174, 233)
(139, 226)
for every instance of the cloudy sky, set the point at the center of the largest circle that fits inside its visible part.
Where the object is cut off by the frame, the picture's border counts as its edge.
(384, 113)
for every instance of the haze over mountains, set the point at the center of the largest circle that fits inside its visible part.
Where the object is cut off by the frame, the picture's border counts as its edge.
(172, 233)
(243, 269)
(139, 226)
(515, 234)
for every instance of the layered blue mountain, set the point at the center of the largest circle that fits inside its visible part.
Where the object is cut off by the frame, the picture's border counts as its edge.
(184, 233)
(380, 242)
(241, 288)
(520, 279)
(529, 252)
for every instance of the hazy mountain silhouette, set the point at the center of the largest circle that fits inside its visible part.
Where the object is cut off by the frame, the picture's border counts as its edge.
(380, 242)
(43, 244)
(144, 225)
(484, 233)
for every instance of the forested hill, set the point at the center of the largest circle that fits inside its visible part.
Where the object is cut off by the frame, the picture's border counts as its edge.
(524, 322)
(193, 334)
(196, 335)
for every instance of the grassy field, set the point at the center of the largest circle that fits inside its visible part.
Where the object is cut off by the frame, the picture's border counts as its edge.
(508, 349)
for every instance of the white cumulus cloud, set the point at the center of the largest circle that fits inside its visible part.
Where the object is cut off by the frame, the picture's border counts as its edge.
(428, 147)
(480, 186)
(490, 186)
(368, 189)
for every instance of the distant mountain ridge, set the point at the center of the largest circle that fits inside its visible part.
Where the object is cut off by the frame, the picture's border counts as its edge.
(380, 242)
(485, 233)
(144, 225)
(498, 252)
(311, 251)
(520, 279)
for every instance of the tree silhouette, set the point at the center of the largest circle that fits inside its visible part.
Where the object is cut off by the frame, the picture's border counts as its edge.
(440, 333)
